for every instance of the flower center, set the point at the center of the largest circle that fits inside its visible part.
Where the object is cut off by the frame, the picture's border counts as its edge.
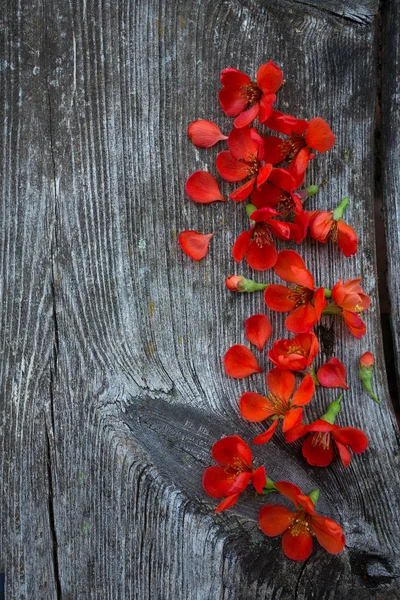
(251, 92)
(300, 295)
(296, 143)
(285, 205)
(322, 439)
(236, 466)
(280, 407)
(261, 235)
(299, 524)
(334, 231)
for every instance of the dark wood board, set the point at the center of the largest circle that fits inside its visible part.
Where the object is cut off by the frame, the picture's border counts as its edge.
(113, 390)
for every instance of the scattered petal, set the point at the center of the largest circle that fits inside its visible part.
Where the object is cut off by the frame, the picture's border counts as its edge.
(203, 187)
(240, 362)
(205, 133)
(194, 244)
(258, 330)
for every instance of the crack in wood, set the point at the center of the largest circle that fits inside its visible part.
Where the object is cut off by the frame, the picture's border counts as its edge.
(50, 504)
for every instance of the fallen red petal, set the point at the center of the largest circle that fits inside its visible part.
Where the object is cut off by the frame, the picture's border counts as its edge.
(203, 187)
(194, 244)
(258, 330)
(205, 133)
(240, 362)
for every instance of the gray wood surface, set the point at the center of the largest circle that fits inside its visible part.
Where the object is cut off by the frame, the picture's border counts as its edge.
(112, 385)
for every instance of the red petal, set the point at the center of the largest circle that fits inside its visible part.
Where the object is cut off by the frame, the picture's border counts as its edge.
(247, 116)
(302, 319)
(328, 533)
(259, 479)
(194, 244)
(229, 448)
(266, 196)
(347, 239)
(333, 374)
(297, 547)
(292, 418)
(261, 258)
(266, 105)
(203, 187)
(205, 133)
(258, 330)
(355, 324)
(263, 174)
(275, 149)
(355, 438)
(241, 245)
(277, 297)
(232, 78)
(304, 392)
(319, 302)
(265, 437)
(269, 77)
(281, 383)
(321, 225)
(240, 362)
(263, 214)
(283, 179)
(242, 145)
(216, 482)
(227, 503)
(344, 453)
(286, 124)
(289, 490)
(322, 426)
(232, 101)
(291, 268)
(299, 164)
(319, 135)
(315, 453)
(229, 168)
(244, 191)
(274, 519)
(295, 433)
(254, 407)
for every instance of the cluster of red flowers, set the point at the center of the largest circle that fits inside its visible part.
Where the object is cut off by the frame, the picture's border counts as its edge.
(271, 170)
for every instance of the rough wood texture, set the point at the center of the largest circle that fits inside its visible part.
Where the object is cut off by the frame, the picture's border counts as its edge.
(390, 160)
(113, 390)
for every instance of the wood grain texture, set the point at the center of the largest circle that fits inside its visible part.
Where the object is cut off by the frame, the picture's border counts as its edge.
(112, 383)
(390, 158)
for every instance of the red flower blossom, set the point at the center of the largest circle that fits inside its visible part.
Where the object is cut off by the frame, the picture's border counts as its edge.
(239, 92)
(258, 330)
(236, 471)
(299, 526)
(278, 193)
(304, 137)
(203, 187)
(352, 300)
(205, 133)
(256, 244)
(326, 226)
(296, 354)
(333, 374)
(194, 244)
(303, 299)
(243, 160)
(240, 362)
(281, 403)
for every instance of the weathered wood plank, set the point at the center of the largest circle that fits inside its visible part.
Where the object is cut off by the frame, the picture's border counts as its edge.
(138, 393)
(390, 161)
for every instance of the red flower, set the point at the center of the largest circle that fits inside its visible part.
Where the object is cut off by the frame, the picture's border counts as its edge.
(296, 354)
(205, 133)
(278, 193)
(234, 474)
(299, 526)
(280, 404)
(257, 244)
(239, 92)
(333, 374)
(258, 330)
(365, 372)
(240, 362)
(350, 297)
(238, 283)
(303, 299)
(326, 226)
(243, 160)
(367, 361)
(194, 244)
(317, 448)
(304, 136)
(203, 187)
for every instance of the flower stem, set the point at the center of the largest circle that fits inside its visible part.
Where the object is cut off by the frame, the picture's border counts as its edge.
(333, 411)
(332, 309)
(339, 210)
(313, 374)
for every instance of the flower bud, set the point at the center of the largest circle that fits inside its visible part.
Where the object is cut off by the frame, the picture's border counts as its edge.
(238, 283)
(365, 372)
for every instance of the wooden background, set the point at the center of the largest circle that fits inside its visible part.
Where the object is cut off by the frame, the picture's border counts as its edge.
(112, 387)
